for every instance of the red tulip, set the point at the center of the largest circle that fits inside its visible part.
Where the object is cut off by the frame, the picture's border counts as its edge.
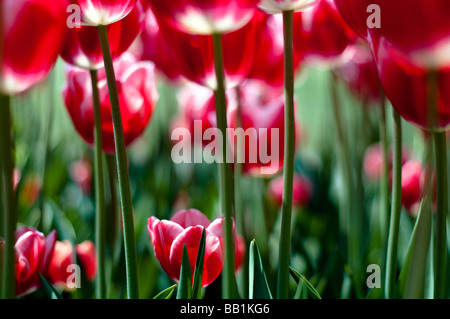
(418, 29)
(32, 35)
(153, 43)
(412, 185)
(185, 228)
(63, 257)
(302, 190)
(205, 17)
(268, 63)
(81, 174)
(193, 55)
(373, 162)
(262, 109)
(87, 255)
(33, 255)
(104, 12)
(198, 107)
(360, 74)
(31, 189)
(321, 35)
(278, 6)
(137, 94)
(407, 88)
(82, 45)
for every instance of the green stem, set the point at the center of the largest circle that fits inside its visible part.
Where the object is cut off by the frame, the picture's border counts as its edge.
(289, 154)
(225, 175)
(99, 189)
(122, 170)
(9, 208)
(113, 218)
(384, 182)
(239, 203)
(441, 214)
(351, 216)
(396, 207)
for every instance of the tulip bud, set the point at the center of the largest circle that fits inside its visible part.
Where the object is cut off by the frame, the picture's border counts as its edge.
(34, 252)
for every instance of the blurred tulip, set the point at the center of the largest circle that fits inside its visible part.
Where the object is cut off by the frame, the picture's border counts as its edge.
(81, 174)
(63, 257)
(192, 55)
(262, 111)
(205, 17)
(420, 31)
(321, 35)
(278, 6)
(197, 106)
(373, 161)
(87, 255)
(32, 35)
(104, 12)
(302, 191)
(153, 43)
(82, 45)
(268, 63)
(137, 94)
(33, 255)
(31, 189)
(412, 185)
(185, 228)
(360, 74)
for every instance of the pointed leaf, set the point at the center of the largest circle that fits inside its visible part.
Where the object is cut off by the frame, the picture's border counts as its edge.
(166, 293)
(301, 280)
(258, 285)
(49, 289)
(198, 272)
(184, 286)
(412, 275)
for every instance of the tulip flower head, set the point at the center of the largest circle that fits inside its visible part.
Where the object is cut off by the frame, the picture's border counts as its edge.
(321, 36)
(104, 12)
(34, 252)
(302, 191)
(82, 45)
(278, 6)
(137, 94)
(185, 228)
(32, 35)
(205, 17)
(192, 56)
(63, 257)
(87, 255)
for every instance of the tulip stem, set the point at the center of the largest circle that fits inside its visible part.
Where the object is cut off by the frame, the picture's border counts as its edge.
(351, 216)
(99, 189)
(289, 155)
(122, 170)
(441, 214)
(225, 172)
(384, 182)
(8, 198)
(396, 208)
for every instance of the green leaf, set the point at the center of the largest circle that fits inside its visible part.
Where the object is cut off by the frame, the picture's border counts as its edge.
(301, 280)
(413, 273)
(49, 289)
(184, 286)
(258, 285)
(166, 293)
(198, 272)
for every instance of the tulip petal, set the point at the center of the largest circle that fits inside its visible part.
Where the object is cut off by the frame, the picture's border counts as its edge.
(190, 217)
(191, 237)
(163, 233)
